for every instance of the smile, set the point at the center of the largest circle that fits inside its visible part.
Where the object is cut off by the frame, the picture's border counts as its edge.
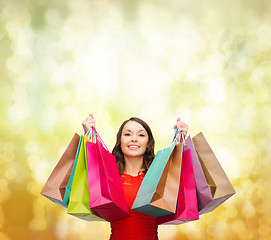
(133, 147)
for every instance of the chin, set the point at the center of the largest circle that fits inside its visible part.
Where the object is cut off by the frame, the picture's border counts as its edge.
(134, 154)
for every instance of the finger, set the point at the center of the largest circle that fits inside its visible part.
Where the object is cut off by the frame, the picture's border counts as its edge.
(91, 115)
(182, 124)
(179, 124)
(183, 129)
(176, 123)
(91, 123)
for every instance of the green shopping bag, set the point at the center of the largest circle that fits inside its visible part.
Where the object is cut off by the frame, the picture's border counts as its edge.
(79, 197)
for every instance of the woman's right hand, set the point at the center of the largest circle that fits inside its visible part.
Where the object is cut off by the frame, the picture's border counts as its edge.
(88, 123)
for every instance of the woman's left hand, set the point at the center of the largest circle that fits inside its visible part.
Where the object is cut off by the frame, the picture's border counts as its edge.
(181, 126)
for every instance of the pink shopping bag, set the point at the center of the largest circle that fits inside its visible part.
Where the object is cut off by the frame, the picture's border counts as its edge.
(187, 206)
(204, 195)
(106, 195)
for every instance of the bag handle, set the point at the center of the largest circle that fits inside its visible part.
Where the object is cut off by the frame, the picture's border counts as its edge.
(179, 137)
(94, 135)
(173, 136)
(90, 134)
(87, 134)
(97, 136)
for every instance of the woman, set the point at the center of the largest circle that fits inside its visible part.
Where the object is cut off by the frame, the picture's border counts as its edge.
(134, 152)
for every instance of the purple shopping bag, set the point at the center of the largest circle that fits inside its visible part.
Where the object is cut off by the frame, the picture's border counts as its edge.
(106, 195)
(220, 186)
(204, 195)
(187, 206)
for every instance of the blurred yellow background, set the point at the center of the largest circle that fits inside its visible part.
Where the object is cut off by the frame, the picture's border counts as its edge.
(206, 61)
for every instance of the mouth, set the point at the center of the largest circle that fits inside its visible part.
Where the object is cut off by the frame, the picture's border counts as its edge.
(133, 146)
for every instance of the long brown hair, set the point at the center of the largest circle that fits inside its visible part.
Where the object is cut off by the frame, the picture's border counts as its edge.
(148, 155)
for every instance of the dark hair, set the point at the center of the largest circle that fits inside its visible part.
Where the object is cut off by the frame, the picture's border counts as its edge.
(148, 155)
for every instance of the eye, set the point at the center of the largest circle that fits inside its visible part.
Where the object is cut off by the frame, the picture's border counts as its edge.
(127, 134)
(141, 135)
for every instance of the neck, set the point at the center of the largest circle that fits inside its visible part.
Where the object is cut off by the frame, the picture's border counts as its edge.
(133, 165)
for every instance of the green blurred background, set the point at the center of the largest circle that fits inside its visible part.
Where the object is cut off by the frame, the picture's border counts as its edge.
(206, 61)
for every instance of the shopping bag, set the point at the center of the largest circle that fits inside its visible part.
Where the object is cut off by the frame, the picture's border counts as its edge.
(67, 194)
(106, 194)
(79, 197)
(187, 206)
(204, 195)
(157, 195)
(219, 185)
(55, 186)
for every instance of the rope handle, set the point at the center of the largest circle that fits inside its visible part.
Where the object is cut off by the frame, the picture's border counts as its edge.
(97, 136)
(88, 133)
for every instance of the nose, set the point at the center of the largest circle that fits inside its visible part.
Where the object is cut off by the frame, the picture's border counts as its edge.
(134, 138)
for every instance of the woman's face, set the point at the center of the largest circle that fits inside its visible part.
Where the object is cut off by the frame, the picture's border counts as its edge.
(134, 139)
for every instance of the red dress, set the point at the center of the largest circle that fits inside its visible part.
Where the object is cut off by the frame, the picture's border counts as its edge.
(137, 226)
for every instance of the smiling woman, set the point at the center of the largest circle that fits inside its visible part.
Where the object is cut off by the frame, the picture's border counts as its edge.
(134, 142)
(134, 153)
(134, 149)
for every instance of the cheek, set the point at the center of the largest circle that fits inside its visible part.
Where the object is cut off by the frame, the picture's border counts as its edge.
(145, 143)
(123, 142)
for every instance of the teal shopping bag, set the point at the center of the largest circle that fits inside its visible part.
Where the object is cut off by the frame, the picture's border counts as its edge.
(158, 193)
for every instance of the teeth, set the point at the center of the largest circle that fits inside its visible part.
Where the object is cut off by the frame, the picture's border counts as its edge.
(133, 146)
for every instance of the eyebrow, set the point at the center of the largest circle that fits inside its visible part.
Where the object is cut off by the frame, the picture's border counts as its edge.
(128, 130)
